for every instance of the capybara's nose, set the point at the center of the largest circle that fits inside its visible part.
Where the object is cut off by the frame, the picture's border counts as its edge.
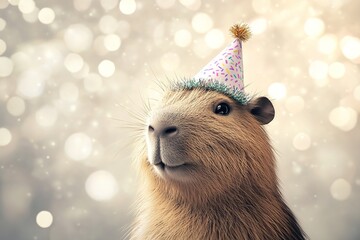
(163, 130)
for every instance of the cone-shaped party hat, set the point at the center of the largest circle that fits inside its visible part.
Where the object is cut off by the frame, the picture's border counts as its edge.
(224, 73)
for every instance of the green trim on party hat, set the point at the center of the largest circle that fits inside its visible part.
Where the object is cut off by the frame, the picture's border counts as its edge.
(212, 85)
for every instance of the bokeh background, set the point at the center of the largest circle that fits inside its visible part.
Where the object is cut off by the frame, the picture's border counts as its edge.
(69, 68)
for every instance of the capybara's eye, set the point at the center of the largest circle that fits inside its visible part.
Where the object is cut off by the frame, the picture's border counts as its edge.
(222, 109)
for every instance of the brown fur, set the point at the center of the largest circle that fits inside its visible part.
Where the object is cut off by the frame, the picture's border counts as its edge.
(234, 193)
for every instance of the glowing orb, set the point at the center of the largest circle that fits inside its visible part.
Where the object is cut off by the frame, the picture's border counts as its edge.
(44, 219)
(101, 186)
(78, 146)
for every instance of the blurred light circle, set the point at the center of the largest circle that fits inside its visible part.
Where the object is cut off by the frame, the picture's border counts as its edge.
(336, 70)
(191, 4)
(112, 42)
(2, 24)
(261, 6)
(350, 47)
(314, 27)
(214, 38)
(26, 6)
(258, 26)
(357, 93)
(302, 141)
(46, 15)
(201, 22)
(21, 60)
(31, 17)
(294, 104)
(14, 2)
(327, 44)
(331, 161)
(73, 62)
(108, 24)
(31, 84)
(99, 45)
(277, 90)
(4, 4)
(83, 72)
(296, 167)
(69, 92)
(318, 70)
(82, 5)
(187, 2)
(6, 66)
(165, 4)
(127, 7)
(182, 38)
(2, 46)
(78, 146)
(15, 106)
(335, 4)
(200, 48)
(108, 4)
(101, 186)
(106, 68)
(170, 61)
(5, 137)
(44, 219)
(78, 38)
(93, 82)
(46, 116)
(340, 189)
(344, 118)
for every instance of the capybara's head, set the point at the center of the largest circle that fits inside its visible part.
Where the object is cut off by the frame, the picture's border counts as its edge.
(202, 143)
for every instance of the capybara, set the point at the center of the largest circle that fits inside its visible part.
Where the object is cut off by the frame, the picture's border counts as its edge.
(206, 164)
(208, 171)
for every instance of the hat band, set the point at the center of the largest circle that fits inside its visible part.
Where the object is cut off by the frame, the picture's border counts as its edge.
(233, 92)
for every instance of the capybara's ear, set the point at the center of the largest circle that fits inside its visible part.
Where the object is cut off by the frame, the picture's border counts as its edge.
(262, 109)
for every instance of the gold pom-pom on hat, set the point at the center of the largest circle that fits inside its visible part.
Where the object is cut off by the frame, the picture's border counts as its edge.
(241, 31)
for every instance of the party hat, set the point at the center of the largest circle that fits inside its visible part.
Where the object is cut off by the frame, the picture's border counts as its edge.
(224, 73)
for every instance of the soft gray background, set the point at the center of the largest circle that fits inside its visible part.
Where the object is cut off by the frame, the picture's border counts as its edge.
(304, 55)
